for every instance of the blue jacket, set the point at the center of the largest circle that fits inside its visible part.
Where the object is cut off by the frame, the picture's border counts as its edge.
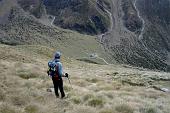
(60, 67)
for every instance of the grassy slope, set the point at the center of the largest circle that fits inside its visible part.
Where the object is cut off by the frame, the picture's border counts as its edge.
(96, 88)
(23, 28)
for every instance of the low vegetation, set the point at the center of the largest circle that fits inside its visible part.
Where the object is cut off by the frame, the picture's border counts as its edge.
(123, 108)
(31, 109)
(96, 102)
(95, 88)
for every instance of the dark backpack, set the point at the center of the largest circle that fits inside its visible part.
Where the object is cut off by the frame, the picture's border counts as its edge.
(52, 69)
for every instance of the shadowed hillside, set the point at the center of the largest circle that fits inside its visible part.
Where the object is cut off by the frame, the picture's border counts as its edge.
(140, 35)
(83, 16)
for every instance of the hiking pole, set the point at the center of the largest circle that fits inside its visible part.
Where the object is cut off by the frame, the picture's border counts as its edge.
(66, 74)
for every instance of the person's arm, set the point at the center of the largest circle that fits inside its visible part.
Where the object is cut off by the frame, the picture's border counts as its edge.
(60, 70)
(61, 73)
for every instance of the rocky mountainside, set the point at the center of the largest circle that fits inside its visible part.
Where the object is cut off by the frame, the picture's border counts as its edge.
(140, 35)
(81, 15)
(19, 26)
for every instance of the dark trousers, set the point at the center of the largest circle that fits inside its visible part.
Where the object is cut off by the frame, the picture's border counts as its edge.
(58, 84)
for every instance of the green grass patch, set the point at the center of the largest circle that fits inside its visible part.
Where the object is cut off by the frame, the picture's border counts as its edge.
(40, 99)
(31, 109)
(19, 100)
(27, 74)
(87, 97)
(96, 102)
(7, 109)
(76, 100)
(81, 83)
(81, 109)
(2, 95)
(107, 87)
(92, 80)
(123, 108)
(149, 110)
(109, 95)
(67, 88)
(106, 111)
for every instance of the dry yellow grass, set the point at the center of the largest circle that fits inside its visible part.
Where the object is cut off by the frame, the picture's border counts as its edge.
(96, 88)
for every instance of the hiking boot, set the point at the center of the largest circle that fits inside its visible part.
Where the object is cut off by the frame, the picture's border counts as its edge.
(63, 97)
(57, 96)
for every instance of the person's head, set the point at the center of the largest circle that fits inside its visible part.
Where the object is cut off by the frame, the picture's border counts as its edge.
(57, 55)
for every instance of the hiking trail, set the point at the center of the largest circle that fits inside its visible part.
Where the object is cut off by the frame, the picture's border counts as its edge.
(53, 20)
(94, 55)
(143, 21)
(101, 36)
(111, 22)
(142, 31)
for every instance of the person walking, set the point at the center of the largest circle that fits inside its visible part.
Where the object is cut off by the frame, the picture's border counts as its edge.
(55, 71)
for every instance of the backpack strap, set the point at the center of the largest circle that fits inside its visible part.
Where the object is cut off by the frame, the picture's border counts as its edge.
(57, 70)
(56, 76)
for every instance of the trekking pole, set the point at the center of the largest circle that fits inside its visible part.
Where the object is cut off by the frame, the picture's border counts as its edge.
(70, 82)
(66, 74)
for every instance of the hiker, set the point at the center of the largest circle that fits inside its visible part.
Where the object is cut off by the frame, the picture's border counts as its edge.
(56, 73)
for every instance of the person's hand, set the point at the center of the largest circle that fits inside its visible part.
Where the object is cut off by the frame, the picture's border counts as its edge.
(66, 75)
(48, 72)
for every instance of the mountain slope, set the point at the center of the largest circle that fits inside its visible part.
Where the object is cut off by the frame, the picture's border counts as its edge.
(130, 33)
(28, 42)
(95, 88)
(140, 35)
(79, 15)
(22, 28)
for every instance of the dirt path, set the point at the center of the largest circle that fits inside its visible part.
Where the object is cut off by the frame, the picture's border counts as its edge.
(143, 21)
(142, 31)
(101, 36)
(111, 22)
(53, 21)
